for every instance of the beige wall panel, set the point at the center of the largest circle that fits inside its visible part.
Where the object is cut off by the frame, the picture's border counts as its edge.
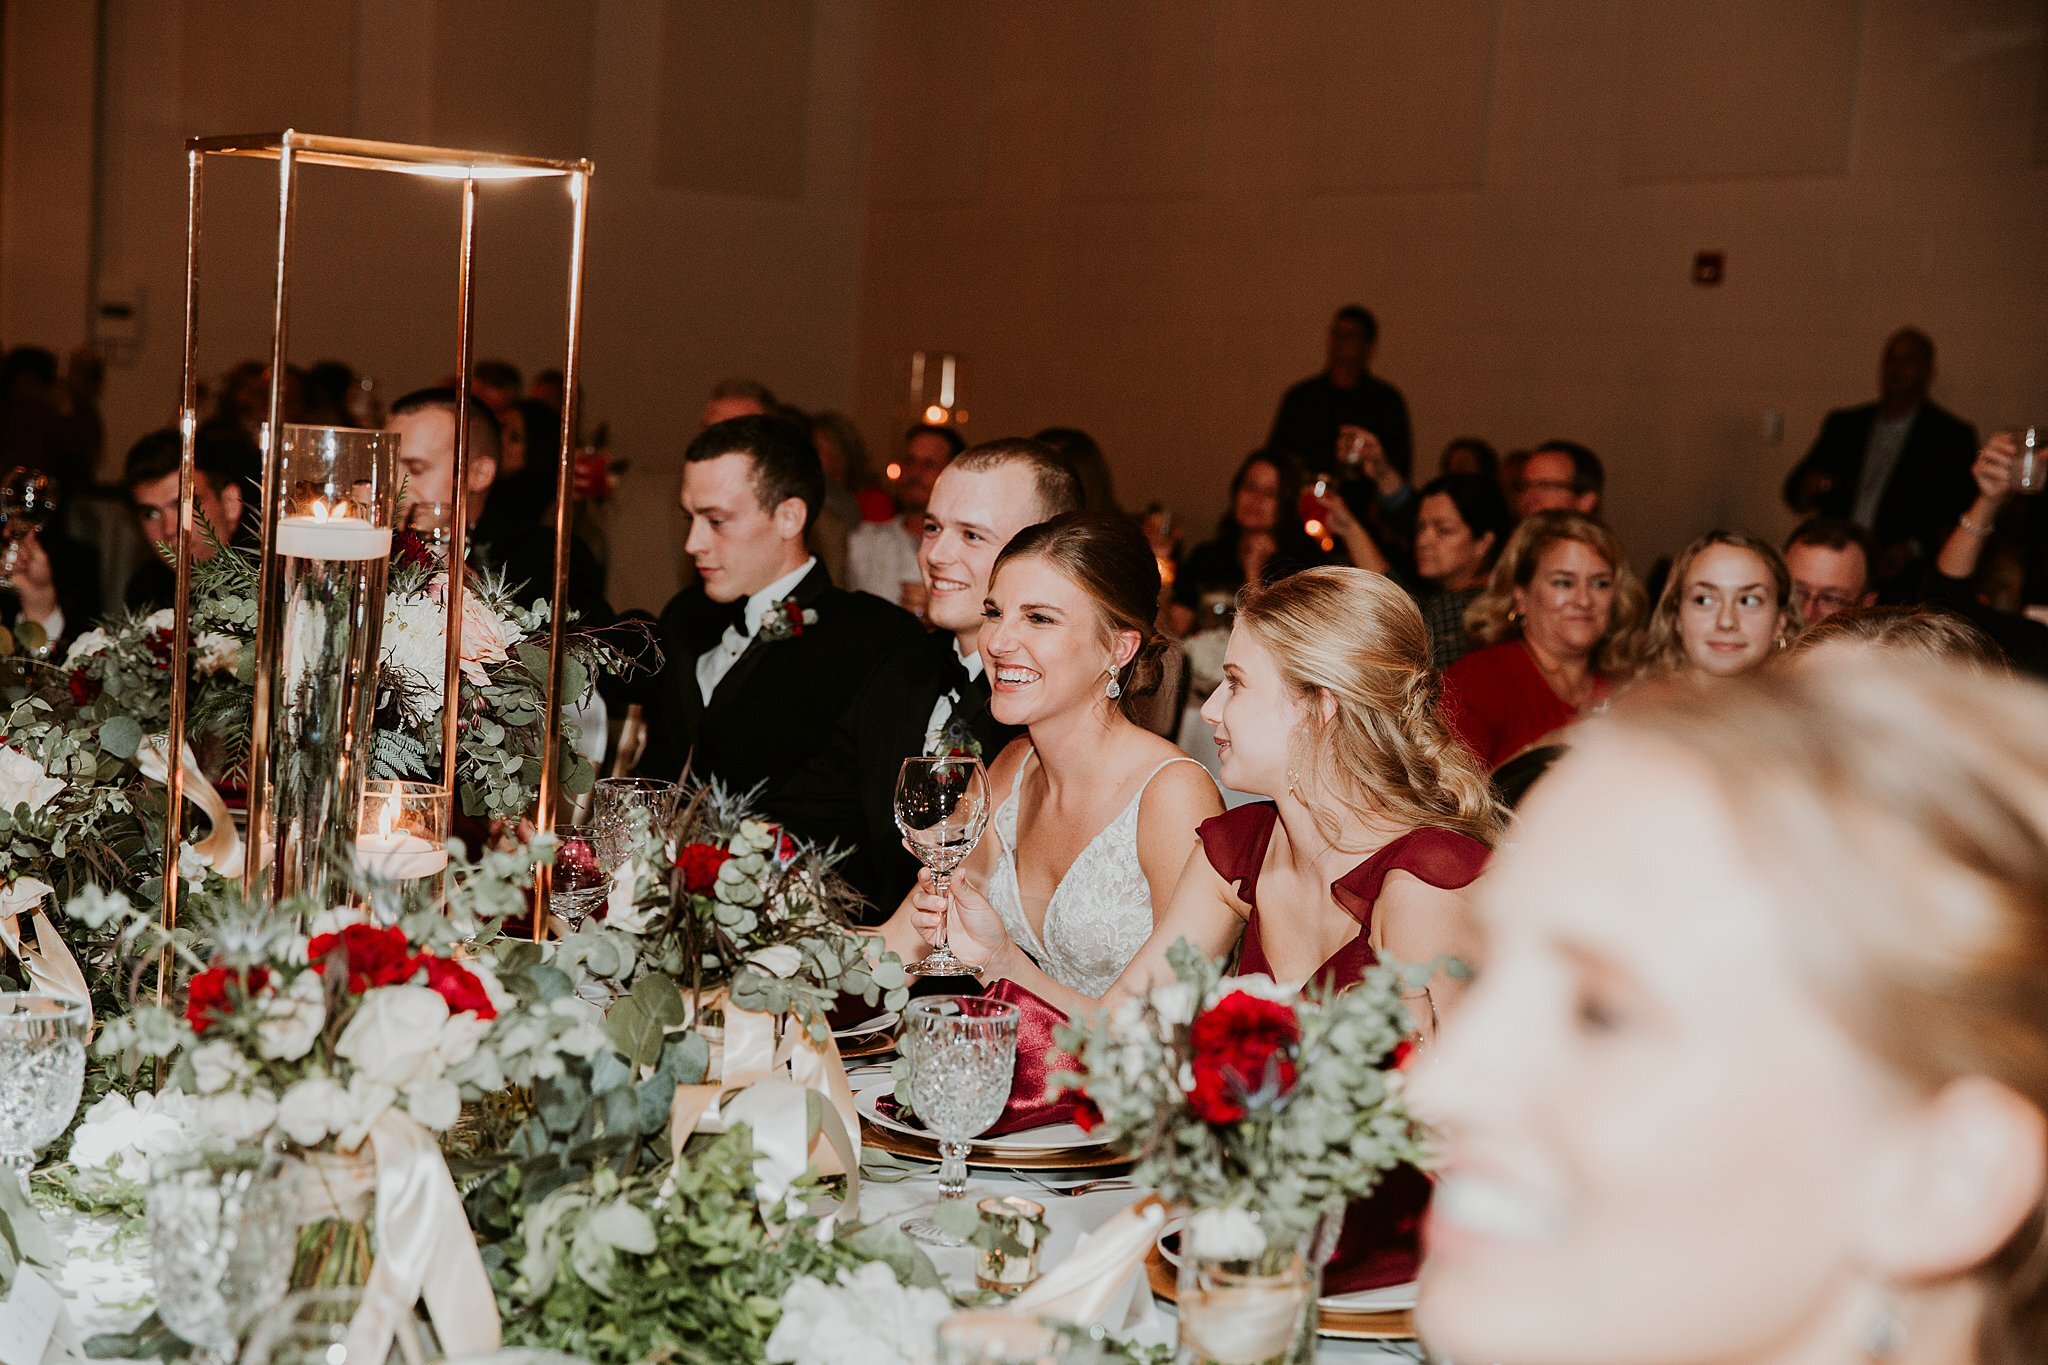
(1964, 77)
(1134, 78)
(511, 75)
(46, 134)
(1736, 89)
(1401, 91)
(931, 118)
(257, 68)
(734, 96)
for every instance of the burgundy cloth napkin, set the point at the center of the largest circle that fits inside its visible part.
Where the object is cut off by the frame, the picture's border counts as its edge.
(1381, 1242)
(1038, 1059)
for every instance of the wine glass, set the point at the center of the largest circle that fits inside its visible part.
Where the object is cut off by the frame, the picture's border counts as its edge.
(28, 498)
(622, 809)
(42, 1070)
(962, 1051)
(312, 1327)
(222, 1229)
(942, 808)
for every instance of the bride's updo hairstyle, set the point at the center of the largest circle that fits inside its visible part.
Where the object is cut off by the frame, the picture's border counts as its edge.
(1899, 810)
(1383, 750)
(1109, 559)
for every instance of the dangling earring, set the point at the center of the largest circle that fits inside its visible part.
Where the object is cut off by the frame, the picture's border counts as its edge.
(1293, 780)
(1114, 690)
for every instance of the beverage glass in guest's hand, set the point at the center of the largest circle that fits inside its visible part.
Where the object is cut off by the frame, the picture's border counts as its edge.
(2030, 460)
(942, 808)
(28, 498)
(1351, 447)
(962, 1053)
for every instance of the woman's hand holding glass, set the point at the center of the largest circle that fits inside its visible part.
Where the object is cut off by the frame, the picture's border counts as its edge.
(961, 917)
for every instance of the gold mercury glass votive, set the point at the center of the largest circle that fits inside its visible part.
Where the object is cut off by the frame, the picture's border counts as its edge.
(1011, 1234)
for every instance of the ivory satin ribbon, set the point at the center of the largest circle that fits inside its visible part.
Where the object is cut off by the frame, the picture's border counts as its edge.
(425, 1249)
(222, 846)
(773, 1078)
(49, 963)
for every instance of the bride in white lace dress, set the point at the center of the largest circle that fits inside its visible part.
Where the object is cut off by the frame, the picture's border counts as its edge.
(1095, 816)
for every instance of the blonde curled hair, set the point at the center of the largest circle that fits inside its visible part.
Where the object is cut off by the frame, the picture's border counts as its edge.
(1383, 751)
(1491, 618)
(1667, 649)
(1898, 809)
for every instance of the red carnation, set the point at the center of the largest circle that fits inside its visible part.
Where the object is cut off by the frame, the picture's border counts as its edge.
(374, 956)
(459, 986)
(217, 990)
(1240, 1045)
(699, 864)
(85, 688)
(1087, 1114)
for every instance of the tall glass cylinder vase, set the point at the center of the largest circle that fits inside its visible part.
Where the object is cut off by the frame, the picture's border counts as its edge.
(333, 546)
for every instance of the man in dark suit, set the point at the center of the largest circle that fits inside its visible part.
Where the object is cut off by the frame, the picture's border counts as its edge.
(1899, 467)
(763, 653)
(1345, 394)
(930, 695)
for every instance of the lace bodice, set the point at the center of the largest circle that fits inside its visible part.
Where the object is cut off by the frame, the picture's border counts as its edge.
(1101, 911)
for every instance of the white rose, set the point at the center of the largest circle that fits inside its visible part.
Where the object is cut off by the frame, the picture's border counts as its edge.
(218, 653)
(163, 618)
(459, 1039)
(395, 1036)
(334, 920)
(89, 645)
(314, 1110)
(1175, 1004)
(238, 1116)
(1263, 987)
(866, 1319)
(24, 783)
(292, 1019)
(778, 959)
(1226, 1234)
(434, 1103)
(122, 1136)
(217, 1065)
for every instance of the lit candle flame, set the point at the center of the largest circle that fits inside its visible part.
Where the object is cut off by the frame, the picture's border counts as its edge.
(388, 820)
(318, 511)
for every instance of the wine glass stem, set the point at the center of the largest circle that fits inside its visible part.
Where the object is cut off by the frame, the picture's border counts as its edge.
(942, 882)
(952, 1169)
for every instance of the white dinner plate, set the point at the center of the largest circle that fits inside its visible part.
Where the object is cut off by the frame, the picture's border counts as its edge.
(1058, 1137)
(886, 1020)
(1386, 1299)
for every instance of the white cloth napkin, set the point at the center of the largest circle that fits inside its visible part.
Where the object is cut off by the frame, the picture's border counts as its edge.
(1093, 1285)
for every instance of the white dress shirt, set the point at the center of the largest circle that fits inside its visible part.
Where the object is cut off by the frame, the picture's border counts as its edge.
(942, 710)
(714, 663)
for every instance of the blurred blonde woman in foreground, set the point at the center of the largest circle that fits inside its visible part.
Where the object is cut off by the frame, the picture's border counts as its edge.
(1757, 1069)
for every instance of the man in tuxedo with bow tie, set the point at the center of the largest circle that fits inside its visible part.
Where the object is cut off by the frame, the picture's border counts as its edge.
(928, 696)
(763, 653)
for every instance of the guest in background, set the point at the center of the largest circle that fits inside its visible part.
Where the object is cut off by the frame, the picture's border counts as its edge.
(1757, 1069)
(496, 383)
(848, 484)
(226, 485)
(502, 538)
(2018, 619)
(329, 386)
(1094, 814)
(1829, 560)
(881, 556)
(932, 694)
(46, 423)
(732, 398)
(1090, 466)
(1899, 467)
(763, 653)
(1559, 476)
(1460, 527)
(1560, 624)
(1259, 539)
(1346, 393)
(1470, 455)
(1725, 609)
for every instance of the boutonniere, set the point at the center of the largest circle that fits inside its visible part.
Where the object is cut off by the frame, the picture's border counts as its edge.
(785, 620)
(954, 739)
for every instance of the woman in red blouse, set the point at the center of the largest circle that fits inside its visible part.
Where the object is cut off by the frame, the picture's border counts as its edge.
(1562, 622)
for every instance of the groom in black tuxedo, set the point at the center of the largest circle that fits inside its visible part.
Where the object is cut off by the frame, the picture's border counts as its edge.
(763, 654)
(928, 695)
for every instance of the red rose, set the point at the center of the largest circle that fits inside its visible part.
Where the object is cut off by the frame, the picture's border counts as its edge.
(372, 955)
(409, 551)
(217, 990)
(1403, 1050)
(459, 986)
(159, 645)
(85, 689)
(699, 864)
(1087, 1114)
(793, 613)
(1240, 1046)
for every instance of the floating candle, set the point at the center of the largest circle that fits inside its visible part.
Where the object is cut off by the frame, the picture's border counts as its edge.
(319, 534)
(397, 855)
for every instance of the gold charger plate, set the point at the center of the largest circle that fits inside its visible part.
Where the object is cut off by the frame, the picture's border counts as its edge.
(1344, 1323)
(1064, 1159)
(876, 1044)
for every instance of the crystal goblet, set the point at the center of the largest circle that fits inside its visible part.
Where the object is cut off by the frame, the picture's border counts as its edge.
(222, 1228)
(42, 1070)
(962, 1051)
